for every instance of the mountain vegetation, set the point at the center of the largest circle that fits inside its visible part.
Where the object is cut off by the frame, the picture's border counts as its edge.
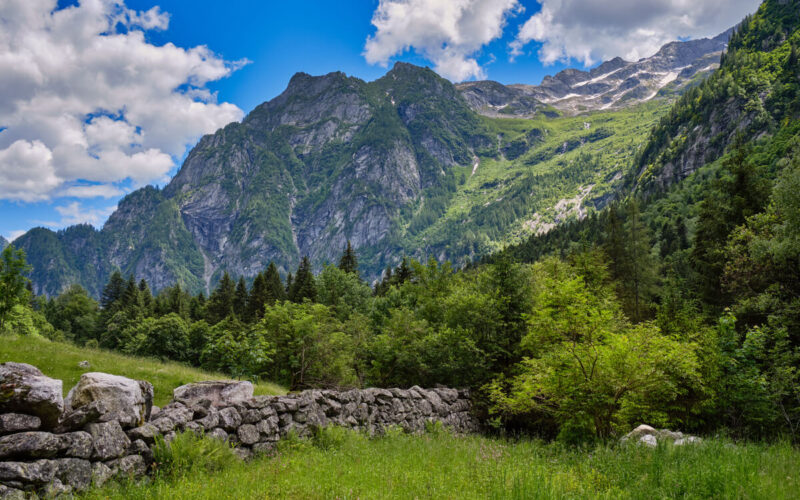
(674, 302)
(406, 165)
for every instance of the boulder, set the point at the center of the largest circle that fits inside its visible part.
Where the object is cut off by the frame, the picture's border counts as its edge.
(18, 422)
(29, 445)
(229, 419)
(109, 440)
(7, 493)
(642, 430)
(74, 419)
(125, 400)
(74, 472)
(132, 466)
(688, 440)
(38, 472)
(85, 365)
(25, 389)
(248, 434)
(219, 393)
(648, 440)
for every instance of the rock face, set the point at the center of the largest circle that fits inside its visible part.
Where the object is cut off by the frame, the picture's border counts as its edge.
(218, 393)
(24, 389)
(612, 85)
(91, 443)
(115, 398)
(331, 159)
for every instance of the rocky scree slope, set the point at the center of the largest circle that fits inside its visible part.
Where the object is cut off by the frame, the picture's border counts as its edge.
(611, 85)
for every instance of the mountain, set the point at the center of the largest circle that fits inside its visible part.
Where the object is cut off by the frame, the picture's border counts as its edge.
(403, 165)
(3, 243)
(611, 85)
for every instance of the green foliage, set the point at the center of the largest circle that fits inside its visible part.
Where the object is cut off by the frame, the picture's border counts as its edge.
(189, 453)
(12, 281)
(235, 348)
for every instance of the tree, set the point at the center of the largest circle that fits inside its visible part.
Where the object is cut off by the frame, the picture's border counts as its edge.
(75, 314)
(303, 287)
(113, 290)
(258, 298)
(12, 281)
(276, 291)
(342, 291)
(220, 303)
(349, 262)
(587, 366)
(240, 299)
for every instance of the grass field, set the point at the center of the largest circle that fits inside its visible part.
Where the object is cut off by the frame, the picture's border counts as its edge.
(347, 465)
(60, 360)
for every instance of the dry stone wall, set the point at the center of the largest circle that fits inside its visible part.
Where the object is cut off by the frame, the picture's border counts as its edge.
(107, 425)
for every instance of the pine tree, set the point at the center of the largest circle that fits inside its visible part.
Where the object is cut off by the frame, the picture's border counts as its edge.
(220, 304)
(638, 269)
(146, 297)
(289, 282)
(277, 293)
(240, 298)
(349, 262)
(257, 299)
(303, 286)
(112, 292)
(130, 297)
(403, 272)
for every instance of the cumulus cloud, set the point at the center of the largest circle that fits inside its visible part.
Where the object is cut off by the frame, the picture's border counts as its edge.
(589, 31)
(75, 213)
(88, 102)
(449, 33)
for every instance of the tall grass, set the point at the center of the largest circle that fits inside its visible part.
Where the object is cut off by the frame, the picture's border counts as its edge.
(348, 465)
(60, 360)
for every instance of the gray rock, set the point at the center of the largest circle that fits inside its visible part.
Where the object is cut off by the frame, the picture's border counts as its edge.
(25, 389)
(243, 453)
(132, 466)
(38, 472)
(77, 418)
(101, 473)
(248, 434)
(139, 447)
(218, 433)
(688, 440)
(110, 441)
(125, 400)
(84, 365)
(77, 444)
(74, 472)
(30, 445)
(7, 493)
(219, 393)
(648, 440)
(229, 419)
(146, 432)
(263, 448)
(18, 422)
(642, 430)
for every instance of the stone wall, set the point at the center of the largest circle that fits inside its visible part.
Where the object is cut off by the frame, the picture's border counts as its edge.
(107, 424)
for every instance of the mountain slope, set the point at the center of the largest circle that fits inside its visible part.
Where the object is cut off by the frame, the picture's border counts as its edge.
(613, 84)
(399, 166)
(3, 243)
(754, 93)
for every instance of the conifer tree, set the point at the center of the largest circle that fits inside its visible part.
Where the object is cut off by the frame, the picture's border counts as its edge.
(220, 304)
(403, 272)
(289, 282)
(145, 296)
(349, 262)
(113, 290)
(240, 298)
(130, 297)
(303, 286)
(277, 293)
(257, 299)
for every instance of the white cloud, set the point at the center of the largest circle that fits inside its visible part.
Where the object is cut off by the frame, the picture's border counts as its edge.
(87, 98)
(449, 33)
(75, 213)
(590, 31)
(13, 235)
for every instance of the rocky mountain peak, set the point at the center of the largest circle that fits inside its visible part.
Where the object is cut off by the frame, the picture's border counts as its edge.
(613, 84)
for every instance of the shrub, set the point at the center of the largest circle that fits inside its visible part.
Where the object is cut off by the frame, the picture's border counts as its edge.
(190, 452)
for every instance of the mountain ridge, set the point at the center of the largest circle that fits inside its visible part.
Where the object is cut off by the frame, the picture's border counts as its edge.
(389, 165)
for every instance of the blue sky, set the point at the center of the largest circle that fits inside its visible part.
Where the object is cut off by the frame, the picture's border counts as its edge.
(255, 47)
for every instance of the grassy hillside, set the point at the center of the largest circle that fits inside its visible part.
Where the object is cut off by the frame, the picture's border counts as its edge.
(438, 465)
(60, 360)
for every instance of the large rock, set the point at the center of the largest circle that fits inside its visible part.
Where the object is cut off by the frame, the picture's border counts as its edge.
(28, 445)
(109, 440)
(18, 422)
(38, 472)
(125, 400)
(25, 389)
(218, 392)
